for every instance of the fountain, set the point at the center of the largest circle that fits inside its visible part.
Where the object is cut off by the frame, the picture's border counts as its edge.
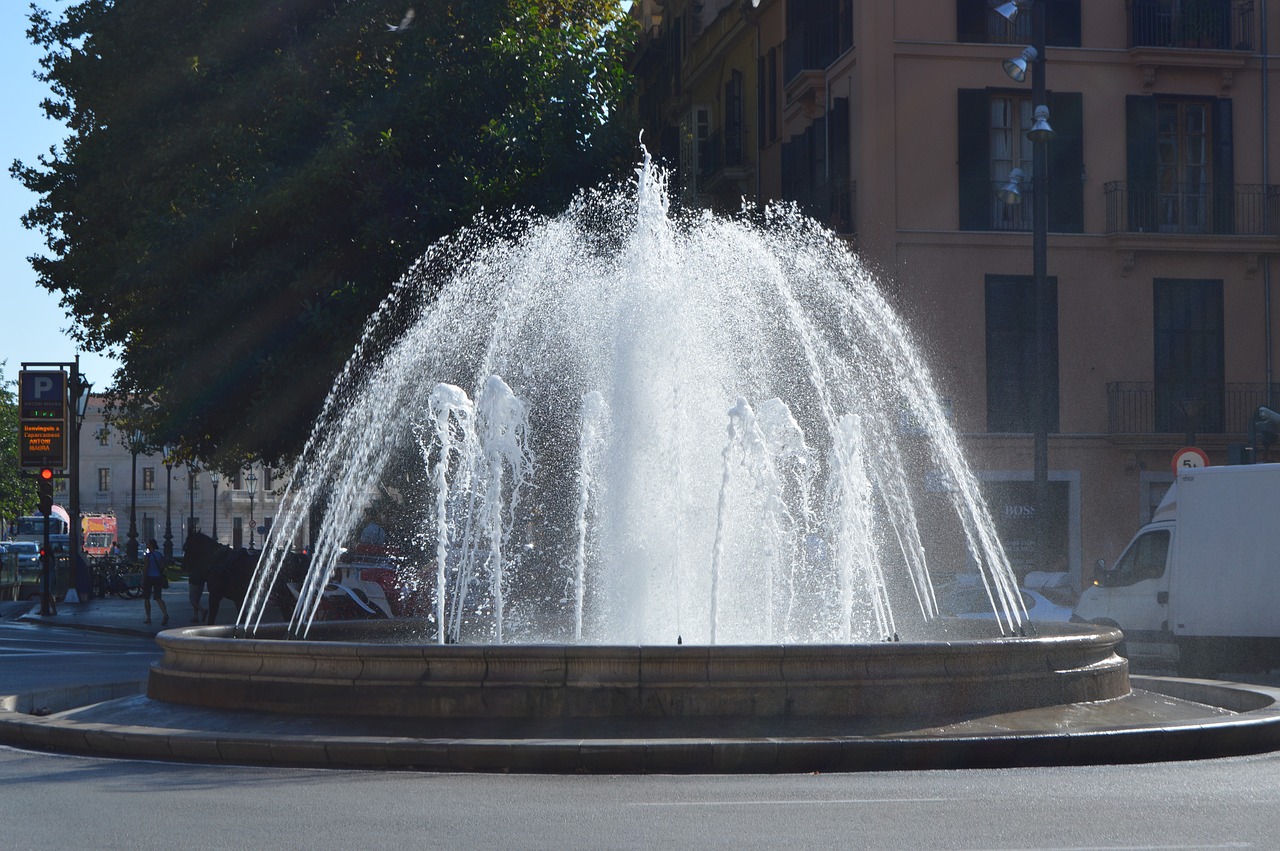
(647, 478)
(620, 426)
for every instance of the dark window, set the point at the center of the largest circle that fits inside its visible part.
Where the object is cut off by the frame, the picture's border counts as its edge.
(815, 169)
(761, 103)
(991, 133)
(773, 93)
(1195, 24)
(734, 122)
(1189, 375)
(104, 479)
(818, 31)
(977, 21)
(148, 478)
(1181, 172)
(1011, 353)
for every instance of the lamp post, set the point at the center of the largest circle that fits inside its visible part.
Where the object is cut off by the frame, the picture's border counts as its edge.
(215, 478)
(252, 482)
(191, 499)
(80, 569)
(136, 439)
(1039, 134)
(168, 501)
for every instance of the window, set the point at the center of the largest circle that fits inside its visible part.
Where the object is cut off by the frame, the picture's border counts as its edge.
(1181, 174)
(1010, 149)
(818, 32)
(104, 479)
(103, 435)
(148, 478)
(991, 132)
(773, 93)
(735, 130)
(695, 139)
(1145, 559)
(1011, 353)
(1196, 24)
(1189, 377)
(1182, 165)
(268, 479)
(977, 21)
(235, 480)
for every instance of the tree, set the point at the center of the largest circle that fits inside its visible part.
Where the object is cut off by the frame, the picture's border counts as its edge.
(245, 180)
(17, 491)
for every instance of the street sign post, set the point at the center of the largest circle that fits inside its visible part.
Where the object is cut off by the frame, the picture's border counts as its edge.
(42, 414)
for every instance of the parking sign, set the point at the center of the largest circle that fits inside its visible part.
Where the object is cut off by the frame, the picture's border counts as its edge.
(42, 406)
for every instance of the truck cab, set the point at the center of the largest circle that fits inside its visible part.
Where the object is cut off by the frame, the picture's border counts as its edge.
(1134, 595)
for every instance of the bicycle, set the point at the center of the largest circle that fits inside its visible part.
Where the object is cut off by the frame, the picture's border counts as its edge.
(111, 575)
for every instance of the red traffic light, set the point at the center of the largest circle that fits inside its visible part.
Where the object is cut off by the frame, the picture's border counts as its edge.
(46, 475)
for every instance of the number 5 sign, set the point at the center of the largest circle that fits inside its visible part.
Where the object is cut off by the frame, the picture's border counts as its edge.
(1189, 458)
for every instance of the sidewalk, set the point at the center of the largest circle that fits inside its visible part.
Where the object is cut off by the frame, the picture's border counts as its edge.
(125, 617)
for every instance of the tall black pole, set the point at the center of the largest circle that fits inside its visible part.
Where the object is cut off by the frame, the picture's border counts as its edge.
(191, 499)
(79, 568)
(168, 508)
(1043, 304)
(131, 549)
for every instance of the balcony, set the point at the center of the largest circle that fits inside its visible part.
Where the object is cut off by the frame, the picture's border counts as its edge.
(1240, 210)
(722, 165)
(1138, 409)
(1192, 24)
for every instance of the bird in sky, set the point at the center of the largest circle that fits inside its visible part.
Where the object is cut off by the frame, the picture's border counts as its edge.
(405, 22)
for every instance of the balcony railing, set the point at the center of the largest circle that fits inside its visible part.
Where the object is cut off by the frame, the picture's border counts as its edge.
(1192, 24)
(720, 151)
(1239, 210)
(1142, 408)
(809, 47)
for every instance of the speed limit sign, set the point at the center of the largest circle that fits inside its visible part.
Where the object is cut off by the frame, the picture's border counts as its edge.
(1189, 458)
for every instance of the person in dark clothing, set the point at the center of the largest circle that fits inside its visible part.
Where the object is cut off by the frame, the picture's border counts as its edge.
(153, 580)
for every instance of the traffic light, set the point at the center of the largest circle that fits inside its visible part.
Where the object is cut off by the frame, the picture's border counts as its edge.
(45, 489)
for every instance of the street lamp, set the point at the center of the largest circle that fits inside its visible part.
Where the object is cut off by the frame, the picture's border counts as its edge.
(191, 498)
(252, 482)
(136, 442)
(215, 478)
(168, 501)
(80, 569)
(1033, 59)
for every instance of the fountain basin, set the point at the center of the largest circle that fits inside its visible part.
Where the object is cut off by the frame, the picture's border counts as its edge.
(364, 669)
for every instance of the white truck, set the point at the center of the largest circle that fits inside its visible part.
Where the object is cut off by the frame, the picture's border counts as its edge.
(1199, 586)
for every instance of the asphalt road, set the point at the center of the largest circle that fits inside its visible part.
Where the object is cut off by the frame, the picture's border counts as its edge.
(53, 801)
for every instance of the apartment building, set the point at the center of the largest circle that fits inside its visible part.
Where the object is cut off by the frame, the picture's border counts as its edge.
(168, 497)
(897, 125)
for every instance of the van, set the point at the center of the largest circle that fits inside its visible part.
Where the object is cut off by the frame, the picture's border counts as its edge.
(1199, 586)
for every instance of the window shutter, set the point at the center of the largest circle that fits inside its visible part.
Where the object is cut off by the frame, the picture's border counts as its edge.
(974, 160)
(1224, 178)
(1140, 119)
(1011, 353)
(1066, 163)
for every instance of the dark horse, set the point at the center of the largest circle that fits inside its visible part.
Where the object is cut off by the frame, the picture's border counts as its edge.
(226, 572)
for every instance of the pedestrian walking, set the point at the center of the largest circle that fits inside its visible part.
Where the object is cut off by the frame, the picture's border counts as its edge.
(153, 581)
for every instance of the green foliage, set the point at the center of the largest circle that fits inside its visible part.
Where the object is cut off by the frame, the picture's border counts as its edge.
(246, 179)
(17, 491)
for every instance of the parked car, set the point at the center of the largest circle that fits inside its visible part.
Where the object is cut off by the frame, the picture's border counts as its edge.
(28, 556)
(969, 599)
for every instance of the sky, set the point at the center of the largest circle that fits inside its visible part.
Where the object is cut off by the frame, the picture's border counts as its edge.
(32, 324)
